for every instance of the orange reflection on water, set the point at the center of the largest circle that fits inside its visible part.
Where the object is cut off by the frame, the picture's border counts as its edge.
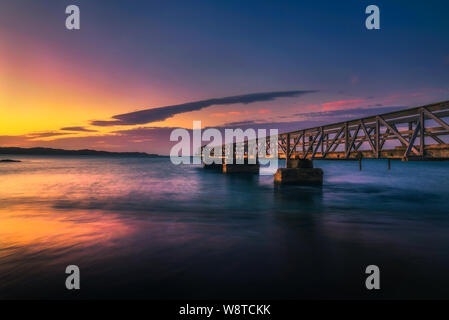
(26, 232)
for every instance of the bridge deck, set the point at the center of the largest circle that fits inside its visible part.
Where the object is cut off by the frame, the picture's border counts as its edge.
(413, 134)
(419, 133)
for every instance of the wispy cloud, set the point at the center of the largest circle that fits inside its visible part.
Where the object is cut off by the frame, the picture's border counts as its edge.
(79, 129)
(231, 113)
(49, 134)
(342, 104)
(239, 123)
(349, 113)
(162, 113)
(157, 139)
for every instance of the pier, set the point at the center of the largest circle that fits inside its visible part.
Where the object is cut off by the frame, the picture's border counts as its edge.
(415, 134)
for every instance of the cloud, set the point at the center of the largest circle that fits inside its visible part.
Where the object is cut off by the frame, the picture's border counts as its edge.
(311, 119)
(216, 115)
(162, 113)
(240, 123)
(157, 139)
(349, 113)
(332, 105)
(80, 129)
(150, 140)
(145, 131)
(232, 113)
(49, 134)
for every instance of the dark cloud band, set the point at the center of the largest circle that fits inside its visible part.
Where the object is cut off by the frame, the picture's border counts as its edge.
(80, 129)
(162, 113)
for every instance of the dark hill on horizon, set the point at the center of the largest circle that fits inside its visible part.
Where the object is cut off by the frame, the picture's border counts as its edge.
(63, 152)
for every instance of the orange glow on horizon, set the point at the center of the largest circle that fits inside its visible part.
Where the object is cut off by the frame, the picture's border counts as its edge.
(44, 88)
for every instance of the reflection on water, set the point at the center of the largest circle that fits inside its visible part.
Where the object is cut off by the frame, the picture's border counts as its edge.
(143, 228)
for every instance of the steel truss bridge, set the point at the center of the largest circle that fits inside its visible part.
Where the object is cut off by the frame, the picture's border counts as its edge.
(420, 133)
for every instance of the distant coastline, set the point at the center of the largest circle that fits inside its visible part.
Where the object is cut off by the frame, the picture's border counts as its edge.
(83, 152)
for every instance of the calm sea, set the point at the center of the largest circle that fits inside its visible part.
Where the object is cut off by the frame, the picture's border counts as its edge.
(144, 228)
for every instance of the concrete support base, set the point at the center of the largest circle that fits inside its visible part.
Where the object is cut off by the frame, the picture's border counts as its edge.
(299, 176)
(241, 168)
(213, 166)
(299, 163)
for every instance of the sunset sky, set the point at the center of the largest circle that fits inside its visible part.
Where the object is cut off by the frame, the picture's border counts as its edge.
(278, 64)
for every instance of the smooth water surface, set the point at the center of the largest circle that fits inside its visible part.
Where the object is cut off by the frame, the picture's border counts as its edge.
(144, 228)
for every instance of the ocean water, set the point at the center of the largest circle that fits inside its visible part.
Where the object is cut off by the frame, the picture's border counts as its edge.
(144, 228)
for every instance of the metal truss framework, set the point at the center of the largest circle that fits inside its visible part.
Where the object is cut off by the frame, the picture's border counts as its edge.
(411, 134)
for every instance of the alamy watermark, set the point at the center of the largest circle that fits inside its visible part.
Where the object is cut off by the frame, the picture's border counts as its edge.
(238, 146)
(72, 282)
(373, 280)
(372, 22)
(72, 22)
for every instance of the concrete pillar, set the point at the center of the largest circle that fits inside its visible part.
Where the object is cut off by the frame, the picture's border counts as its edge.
(213, 166)
(299, 176)
(300, 163)
(299, 172)
(241, 168)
